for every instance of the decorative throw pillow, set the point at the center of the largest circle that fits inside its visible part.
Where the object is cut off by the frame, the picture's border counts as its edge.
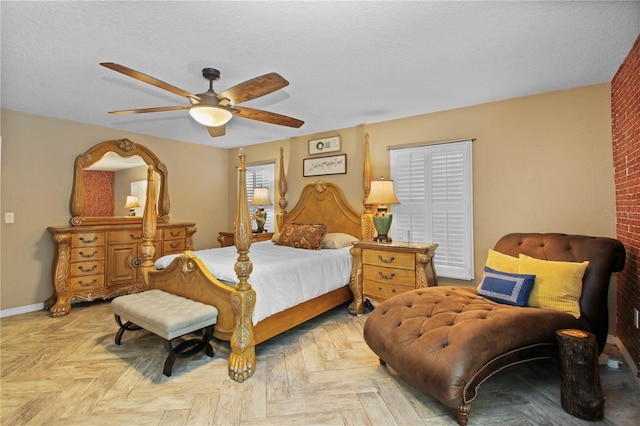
(302, 235)
(502, 262)
(336, 240)
(503, 287)
(558, 285)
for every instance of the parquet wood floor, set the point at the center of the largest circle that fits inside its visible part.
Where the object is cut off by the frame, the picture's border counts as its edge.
(68, 371)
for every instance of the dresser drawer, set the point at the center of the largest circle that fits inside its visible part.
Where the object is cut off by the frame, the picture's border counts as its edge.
(84, 254)
(174, 233)
(383, 291)
(173, 246)
(88, 283)
(87, 239)
(79, 269)
(125, 236)
(392, 259)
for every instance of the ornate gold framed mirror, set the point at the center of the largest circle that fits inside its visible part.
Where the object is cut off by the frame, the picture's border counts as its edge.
(121, 157)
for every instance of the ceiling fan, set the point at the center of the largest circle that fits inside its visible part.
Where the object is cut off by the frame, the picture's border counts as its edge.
(213, 109)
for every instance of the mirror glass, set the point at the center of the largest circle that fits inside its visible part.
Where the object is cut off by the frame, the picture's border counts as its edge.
(108, 184)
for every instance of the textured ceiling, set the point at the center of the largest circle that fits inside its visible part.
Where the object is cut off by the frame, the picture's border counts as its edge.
(348, 63)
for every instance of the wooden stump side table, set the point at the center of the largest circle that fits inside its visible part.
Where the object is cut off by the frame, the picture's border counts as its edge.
(580, 389)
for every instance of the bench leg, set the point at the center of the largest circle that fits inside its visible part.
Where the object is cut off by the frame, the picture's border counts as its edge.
(187, 348)
(123, 327)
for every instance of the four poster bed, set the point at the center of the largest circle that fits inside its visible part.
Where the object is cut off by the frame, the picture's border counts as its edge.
(235, 298)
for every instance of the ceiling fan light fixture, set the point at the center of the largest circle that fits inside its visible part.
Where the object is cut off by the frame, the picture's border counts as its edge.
(210, 115)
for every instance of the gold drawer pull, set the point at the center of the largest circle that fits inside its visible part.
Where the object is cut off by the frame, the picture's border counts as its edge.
(133, 237)
(88, 241)
(175, 234)
(83, 284)
(387, 277)
(88, 255)
(87, 270)
(176, 245)
(390, 260)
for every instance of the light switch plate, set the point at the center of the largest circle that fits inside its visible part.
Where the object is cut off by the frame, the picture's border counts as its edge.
(9, 217)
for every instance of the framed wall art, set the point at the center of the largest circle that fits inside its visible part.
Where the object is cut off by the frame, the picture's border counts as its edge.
(319, 146)
(318, 166)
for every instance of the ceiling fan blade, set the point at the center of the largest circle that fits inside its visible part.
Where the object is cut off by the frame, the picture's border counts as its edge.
(147, 79)
(254, 88)
(217, 131)
(155, 109)
(267, 117)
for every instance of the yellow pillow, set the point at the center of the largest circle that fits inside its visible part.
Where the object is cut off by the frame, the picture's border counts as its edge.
(558, 285)
(502, 262)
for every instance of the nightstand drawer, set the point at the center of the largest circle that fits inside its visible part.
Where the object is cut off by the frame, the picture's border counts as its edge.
(393, 259)
(383, 291)
(389, 275)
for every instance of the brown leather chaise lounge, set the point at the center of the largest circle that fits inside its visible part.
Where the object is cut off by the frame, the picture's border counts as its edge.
(448, 340)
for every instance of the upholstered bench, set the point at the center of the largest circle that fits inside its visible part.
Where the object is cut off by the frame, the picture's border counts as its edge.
(168, 316)
(448, 340)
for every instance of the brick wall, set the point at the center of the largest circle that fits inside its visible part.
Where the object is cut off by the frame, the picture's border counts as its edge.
(625, 112)
(99, 193)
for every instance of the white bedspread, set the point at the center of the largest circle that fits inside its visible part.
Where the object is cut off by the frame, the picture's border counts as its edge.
(282, 276)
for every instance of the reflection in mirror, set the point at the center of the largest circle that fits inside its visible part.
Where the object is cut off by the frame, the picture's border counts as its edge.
(108, 182)
(109, 173)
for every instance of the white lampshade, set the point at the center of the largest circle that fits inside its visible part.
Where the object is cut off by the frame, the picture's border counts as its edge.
(382, 193)
(261, 197)
(132, 202)
(210, 115)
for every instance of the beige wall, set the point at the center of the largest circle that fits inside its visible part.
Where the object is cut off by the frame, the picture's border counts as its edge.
(541, 163)
(38, 154)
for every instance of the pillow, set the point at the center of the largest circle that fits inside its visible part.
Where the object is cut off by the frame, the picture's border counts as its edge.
(275, 237)
(502, 262)
(336, 240)
(302, 235)
(503, 287)
(558, 285)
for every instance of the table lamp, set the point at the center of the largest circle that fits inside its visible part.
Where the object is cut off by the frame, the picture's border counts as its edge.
(382, 194)
(131, 204)
(260, 198)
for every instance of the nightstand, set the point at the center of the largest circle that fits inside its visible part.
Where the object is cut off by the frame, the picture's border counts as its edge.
(381, 270)
(227, 238)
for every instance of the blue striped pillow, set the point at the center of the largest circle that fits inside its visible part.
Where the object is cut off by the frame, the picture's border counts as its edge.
(504, 287)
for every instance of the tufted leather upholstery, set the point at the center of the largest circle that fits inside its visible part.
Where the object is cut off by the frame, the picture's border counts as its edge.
(448, 340)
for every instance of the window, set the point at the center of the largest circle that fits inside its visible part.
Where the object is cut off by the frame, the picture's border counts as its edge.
(262, 175)
(434, 186)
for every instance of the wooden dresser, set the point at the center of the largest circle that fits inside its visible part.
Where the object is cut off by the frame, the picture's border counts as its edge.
(101, 262)
(382, 270)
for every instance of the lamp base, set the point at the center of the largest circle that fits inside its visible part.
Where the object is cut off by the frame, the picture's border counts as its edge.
(381, 239)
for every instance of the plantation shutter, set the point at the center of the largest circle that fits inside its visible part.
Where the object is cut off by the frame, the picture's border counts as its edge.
(434, 186)
(262, 175)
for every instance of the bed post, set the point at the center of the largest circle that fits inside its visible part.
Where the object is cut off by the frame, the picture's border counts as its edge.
(148, 250)
(367, 216)
(282, 189)
(242, 360)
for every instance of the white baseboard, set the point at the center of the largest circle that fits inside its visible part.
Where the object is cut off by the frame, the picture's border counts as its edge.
(21, 310)
(627, 357)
